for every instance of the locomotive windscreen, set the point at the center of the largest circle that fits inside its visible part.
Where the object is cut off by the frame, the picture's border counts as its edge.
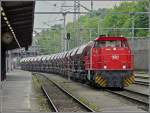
(111, 43)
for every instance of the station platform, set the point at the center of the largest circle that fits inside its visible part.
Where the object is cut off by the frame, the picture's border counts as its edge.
(17, 94)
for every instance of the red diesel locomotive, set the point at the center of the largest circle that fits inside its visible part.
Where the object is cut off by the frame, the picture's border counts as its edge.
(109, 62)
(105, 62)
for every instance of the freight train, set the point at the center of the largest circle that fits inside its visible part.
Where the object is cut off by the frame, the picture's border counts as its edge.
(105, 62)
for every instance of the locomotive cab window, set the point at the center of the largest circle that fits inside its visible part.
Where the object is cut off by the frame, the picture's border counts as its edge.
(99, 44)
(111, 43)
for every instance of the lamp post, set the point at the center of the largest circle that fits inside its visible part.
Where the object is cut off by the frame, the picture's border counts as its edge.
(65, 31)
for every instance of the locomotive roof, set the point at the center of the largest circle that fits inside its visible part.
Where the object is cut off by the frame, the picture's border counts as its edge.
(111, 38)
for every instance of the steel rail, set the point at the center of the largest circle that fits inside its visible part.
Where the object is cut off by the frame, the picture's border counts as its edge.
(50, 100)
(141, 80)
(135, 92)
(70, 95)
(130, 97)
(142, 77)
(46, 94)
(141, 83)
(145, 104)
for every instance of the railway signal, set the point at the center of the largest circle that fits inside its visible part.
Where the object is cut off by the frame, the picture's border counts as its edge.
(68, 36)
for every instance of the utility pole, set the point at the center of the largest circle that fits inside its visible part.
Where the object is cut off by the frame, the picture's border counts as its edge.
(133, 30)
(62, 37)
(65, 31)
(74, 23)
(91, 5)
(78, 37)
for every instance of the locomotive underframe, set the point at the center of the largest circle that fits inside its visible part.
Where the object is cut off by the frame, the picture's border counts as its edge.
(113, 78)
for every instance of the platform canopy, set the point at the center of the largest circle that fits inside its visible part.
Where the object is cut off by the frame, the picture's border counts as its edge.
(20, 16)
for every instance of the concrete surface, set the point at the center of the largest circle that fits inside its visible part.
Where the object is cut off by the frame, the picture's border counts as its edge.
(16, 93)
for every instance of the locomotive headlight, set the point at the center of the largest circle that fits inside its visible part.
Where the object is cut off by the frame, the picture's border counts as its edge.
(124, 67)
(105, 67)
(114, 49)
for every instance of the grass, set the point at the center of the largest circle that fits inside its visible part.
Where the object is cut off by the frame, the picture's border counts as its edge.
(41, 99)
(91, 105)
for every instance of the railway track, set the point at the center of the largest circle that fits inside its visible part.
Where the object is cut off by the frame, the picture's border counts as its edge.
(142, 82)
(60, 100)
(142, 79)
(136, 97)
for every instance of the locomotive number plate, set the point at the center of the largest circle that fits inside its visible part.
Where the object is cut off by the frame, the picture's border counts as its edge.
(115, 57)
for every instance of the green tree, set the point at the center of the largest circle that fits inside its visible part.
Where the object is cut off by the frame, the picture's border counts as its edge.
(50, 40)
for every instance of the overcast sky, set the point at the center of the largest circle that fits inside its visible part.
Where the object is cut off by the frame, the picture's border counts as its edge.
(51, 19)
